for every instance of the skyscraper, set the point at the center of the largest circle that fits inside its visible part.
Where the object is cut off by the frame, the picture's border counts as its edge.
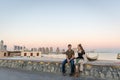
(51, 49)
(1, 45)
(47, 50)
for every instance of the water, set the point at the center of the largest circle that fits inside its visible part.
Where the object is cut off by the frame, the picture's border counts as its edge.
(101, 56)
(60, 57)
(105, 56)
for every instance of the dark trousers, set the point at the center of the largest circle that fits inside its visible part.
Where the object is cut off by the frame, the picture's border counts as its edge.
(71, 65)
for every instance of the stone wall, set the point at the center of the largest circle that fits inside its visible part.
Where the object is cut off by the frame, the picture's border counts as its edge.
(109, 72)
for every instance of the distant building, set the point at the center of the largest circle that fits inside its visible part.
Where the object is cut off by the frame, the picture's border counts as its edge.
(47, 50)
(51, 49)
(3, 54)
(19, 53)
(15, 48)
(30, 54)
(19, 48)
(32, 49)
(40, 49)
(2, 46)
(35, 49)
(75, 49)
(43, 50)
(5, 47)
(57, 50)
(63, 51)
(9, 53)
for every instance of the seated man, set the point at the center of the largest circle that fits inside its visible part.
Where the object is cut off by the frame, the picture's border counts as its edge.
(69, 59)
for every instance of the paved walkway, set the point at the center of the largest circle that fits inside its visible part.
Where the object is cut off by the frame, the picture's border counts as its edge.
(12, 74)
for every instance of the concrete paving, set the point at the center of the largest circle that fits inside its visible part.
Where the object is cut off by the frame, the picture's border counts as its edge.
(12, 74)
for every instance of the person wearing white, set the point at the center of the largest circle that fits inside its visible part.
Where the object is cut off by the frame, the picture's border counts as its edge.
(79, 60)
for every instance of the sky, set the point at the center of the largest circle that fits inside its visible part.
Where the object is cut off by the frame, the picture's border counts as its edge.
(36, 23)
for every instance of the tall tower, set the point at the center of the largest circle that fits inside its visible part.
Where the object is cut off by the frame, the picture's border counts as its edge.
(47, 50)
(43, 50)
(1, 45)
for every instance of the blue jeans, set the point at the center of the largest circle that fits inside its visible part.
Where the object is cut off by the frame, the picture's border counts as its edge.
(71, 65)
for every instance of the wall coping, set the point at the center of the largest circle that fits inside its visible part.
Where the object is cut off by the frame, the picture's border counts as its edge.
(92, 63)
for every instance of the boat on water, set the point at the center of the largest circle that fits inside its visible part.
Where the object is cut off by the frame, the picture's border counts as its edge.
(118, 56)
(92, 58)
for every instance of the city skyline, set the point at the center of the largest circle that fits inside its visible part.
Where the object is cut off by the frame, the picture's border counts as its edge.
(53, 23)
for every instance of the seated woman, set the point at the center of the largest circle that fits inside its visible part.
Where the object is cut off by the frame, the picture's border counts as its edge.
(79, 60)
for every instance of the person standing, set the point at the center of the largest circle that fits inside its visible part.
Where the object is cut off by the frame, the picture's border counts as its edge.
(69, 59)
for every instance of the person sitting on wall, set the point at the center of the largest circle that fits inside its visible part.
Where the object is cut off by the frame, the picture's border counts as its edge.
(79, 59)
(69, 59)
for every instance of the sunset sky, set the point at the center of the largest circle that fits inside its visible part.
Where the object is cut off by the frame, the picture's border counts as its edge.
(37, 23)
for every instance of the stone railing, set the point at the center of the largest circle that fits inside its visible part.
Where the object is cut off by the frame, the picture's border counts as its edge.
(109, 72)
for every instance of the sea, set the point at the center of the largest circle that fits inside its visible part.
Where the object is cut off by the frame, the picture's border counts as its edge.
(104, 56)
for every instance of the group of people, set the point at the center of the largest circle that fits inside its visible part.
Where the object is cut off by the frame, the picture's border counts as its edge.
(75, 59)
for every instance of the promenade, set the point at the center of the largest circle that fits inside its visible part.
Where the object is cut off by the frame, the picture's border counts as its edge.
(13, 74)
(45, 68)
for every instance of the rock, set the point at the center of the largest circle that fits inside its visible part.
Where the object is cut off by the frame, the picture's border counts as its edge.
(109, 75)
(102, 75)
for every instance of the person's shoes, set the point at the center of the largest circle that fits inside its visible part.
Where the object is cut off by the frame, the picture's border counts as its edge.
(64, 74)
(76, 74)
(80, 71)
(71, 74)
